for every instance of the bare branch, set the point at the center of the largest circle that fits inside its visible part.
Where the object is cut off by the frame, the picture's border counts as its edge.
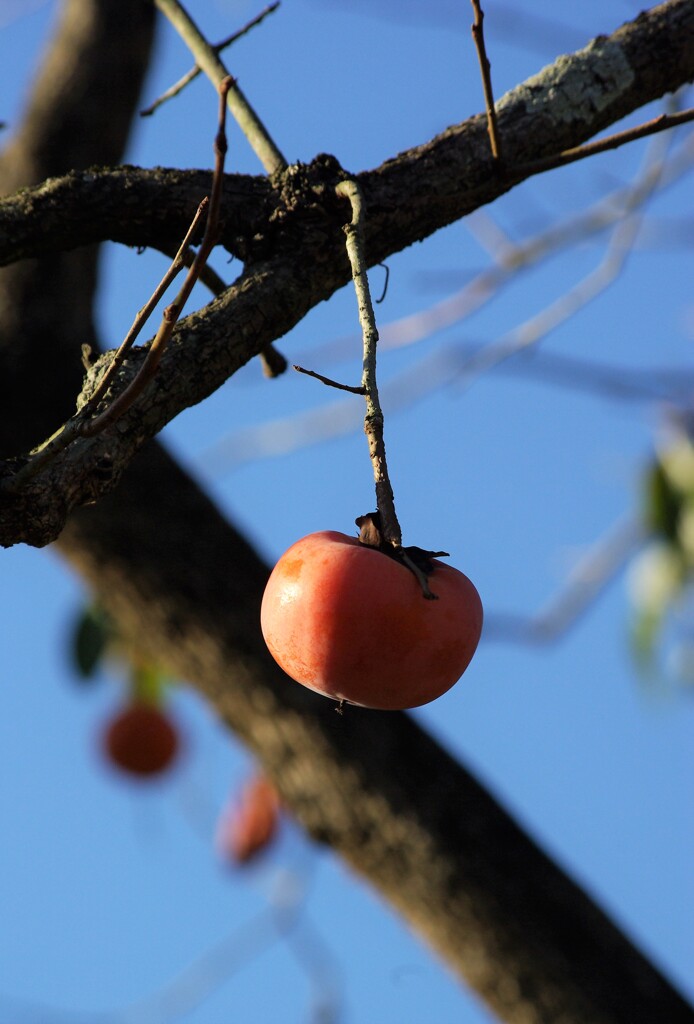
(173, 312)
(587, 581)
(442, 180)
(485, 68)
(191, 75)
(356, 390)
(208, 59)
(662, 123)
(179, 261)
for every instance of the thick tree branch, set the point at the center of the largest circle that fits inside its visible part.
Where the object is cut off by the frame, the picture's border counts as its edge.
(136, 207)
(444, 179)
(298, 225)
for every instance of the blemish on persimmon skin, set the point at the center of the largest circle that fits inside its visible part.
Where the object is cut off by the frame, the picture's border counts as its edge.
(293, 567)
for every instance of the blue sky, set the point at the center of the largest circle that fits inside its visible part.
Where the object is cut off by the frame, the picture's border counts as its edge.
(109, 893)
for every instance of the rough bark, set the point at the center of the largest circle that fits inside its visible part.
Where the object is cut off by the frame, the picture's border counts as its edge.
(182, 582)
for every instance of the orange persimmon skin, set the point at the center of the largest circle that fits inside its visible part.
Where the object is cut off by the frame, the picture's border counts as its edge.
(250, 825)
(350, 622)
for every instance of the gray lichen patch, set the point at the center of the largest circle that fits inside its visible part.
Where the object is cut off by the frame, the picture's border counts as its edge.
(576, 85)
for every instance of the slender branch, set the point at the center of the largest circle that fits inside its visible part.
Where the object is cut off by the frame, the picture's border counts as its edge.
(485, 68)
(273, 362)
(620, 245)
(179, 261)
(587, 581)
(373, 421)
(659, 124)
(210, 62)
(191, 75)
(356, 390)
(75, 427)
(172, 313)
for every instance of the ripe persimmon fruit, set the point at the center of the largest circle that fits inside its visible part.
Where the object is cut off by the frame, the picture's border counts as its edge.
(352, 623)
(250, 824)
(141, 740)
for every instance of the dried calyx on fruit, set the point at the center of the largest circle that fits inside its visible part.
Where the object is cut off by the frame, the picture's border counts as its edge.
(417, 560)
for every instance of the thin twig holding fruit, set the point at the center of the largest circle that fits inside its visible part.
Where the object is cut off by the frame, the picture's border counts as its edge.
(373, 421)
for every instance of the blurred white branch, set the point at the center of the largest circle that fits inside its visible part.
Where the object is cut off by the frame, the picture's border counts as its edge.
(591, 575)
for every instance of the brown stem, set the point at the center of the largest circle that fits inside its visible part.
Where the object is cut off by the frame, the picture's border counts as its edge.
(179, 261)
(273, 362)
(659, 124)
(172, 313)
(485, 68)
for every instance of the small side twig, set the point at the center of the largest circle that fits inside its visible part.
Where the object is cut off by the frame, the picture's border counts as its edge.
(191, 75)
(210, 62)
(620, 245)
(568, 156)
(485, 68)
(586, 582)
(172, 313)
(373, 421)
(355, 389)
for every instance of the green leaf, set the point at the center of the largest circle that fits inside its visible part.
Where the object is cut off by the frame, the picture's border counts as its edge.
(645, 631)
(91, 636)
(663, 503)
